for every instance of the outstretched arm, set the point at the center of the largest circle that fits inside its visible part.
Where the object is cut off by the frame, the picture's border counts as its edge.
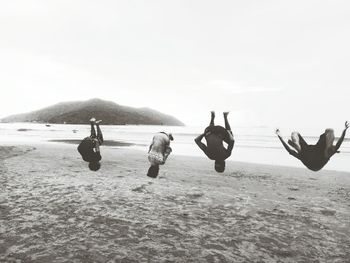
(201, 145)
(230, 144)
(286, 146)
(167, 152)
(341, 139)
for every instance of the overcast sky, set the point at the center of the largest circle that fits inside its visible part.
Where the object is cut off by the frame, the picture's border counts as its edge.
(273, 63)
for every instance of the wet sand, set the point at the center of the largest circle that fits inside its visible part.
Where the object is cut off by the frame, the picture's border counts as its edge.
(53, 209)
(105, 143)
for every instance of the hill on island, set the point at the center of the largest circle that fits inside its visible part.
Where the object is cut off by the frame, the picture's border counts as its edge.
(79, 112)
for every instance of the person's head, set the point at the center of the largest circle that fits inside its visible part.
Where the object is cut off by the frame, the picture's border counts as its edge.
(220, 166)
(153, 171)
(94, 166)
(171, 137)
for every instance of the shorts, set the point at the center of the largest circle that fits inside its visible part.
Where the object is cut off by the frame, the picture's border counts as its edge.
(221, 132)
(155, 158)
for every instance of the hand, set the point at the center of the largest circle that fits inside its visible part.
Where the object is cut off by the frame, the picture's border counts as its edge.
(171, 138)
(278, 132)
(347, 125)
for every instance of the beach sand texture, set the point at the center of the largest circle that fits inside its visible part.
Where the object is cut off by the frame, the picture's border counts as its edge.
(53, 209)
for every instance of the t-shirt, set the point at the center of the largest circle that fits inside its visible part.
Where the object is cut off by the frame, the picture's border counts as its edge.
(86, 149)
(160, 144)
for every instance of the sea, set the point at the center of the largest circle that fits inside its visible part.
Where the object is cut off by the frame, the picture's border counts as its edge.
(252, 144)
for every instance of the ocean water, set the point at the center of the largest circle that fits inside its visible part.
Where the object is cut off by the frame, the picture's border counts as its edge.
(252, 144)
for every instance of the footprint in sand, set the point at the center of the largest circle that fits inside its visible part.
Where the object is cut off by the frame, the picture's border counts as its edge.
(30, 149)
(293, 188)
(140, 189)
(328, 212)
(195, 195)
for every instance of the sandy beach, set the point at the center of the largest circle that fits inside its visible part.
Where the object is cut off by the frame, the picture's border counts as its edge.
(53, 209)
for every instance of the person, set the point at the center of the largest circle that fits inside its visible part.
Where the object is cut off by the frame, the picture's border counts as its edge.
(89, 148)
(215, 136)
(314, 157)
(158, 152)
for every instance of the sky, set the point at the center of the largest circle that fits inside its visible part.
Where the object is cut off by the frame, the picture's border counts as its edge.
(270, 63)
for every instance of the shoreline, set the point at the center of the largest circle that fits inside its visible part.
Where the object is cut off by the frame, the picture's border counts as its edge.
(142, 148)
(105, 142)
(260, 147)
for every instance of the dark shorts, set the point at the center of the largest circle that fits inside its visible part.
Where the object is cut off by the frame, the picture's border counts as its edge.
(220, 131)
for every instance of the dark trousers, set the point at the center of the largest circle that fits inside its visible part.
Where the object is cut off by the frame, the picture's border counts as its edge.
(99, 135)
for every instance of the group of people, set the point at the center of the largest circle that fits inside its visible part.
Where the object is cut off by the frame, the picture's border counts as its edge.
(314, 157)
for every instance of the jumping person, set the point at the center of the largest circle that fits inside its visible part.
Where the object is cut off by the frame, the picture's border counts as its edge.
(314, 157)
(215, 136)
(89, 148)
(158, 152)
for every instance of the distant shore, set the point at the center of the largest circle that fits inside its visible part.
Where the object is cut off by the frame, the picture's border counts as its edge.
(73, 112)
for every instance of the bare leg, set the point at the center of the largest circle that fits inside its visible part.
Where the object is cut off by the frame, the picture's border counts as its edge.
(99, 133)
(294, 141)
(212, 118)
(302, 142)
(227, 125)
(93, 132)
(167, 152)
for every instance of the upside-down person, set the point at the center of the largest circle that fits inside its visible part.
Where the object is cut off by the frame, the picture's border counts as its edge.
(158, 152)
(314, 157)
(89, 148)
(215, 136)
